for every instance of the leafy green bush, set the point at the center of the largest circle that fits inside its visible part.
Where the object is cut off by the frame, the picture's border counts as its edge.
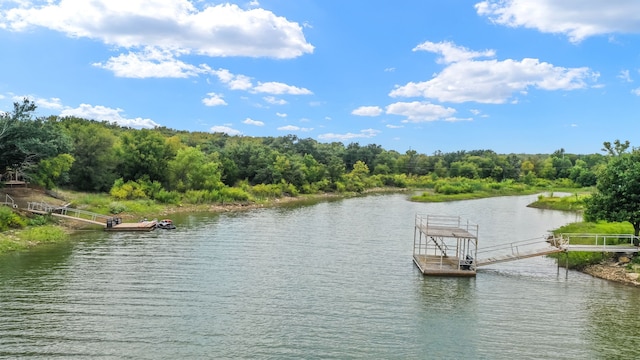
(289, 189)
(578, 260)
(43, 234)
(227, 194)
(449, 187)
(39, 220)
(9, 219)
(129, 190)
(266, 191)
(167, 197)
(117, 208)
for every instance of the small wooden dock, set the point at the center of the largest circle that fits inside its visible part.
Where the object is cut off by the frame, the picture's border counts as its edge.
(139, 226)
(107, 222)
(445, 245)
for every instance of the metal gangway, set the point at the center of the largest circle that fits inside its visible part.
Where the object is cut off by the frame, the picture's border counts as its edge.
(69, 213)
(565, 242)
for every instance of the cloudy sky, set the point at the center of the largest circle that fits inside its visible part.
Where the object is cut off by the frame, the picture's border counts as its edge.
(513, 76)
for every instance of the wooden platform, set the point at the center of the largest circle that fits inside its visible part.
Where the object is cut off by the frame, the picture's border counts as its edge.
(445, 245)
(139, 226)
(441, 266)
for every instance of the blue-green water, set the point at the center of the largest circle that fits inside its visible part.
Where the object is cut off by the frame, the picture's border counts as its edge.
(330, 280)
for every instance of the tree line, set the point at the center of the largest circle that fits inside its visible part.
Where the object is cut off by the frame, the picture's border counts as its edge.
(168, 165)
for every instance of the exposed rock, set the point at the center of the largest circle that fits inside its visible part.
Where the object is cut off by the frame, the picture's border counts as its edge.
(624, 260)
(613, 272)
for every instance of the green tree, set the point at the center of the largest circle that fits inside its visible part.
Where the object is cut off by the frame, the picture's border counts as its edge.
(191, 170)
(96, 160)
(617, 191)
(617, 148)
(50, 171)
(144, 154)
(24, 142)
(356, 179)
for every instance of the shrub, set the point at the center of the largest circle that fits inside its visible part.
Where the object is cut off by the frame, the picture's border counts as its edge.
(39, 220)
(167, 197)
(9, 219)
(117, 208)
(43, 234)
(130, 190)
(227, 194)
(266, 191)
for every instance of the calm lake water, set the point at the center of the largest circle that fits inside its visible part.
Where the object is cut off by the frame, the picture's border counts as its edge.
(334, 280)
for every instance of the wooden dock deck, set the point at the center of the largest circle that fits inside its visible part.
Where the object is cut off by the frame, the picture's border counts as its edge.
(445, 246)
(442, 266)
(139, 226)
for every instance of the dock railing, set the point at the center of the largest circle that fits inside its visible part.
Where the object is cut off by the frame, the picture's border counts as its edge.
(600, 242)
(66, 211)
(437, 221)
(8, 200)
(522, 248)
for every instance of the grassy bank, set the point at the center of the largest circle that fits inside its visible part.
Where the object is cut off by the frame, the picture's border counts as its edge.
(574, 202)
(466, 189)
(580, 260)
(24, 239)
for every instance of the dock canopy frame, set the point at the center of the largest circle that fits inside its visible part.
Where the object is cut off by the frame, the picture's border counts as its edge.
(445, 245)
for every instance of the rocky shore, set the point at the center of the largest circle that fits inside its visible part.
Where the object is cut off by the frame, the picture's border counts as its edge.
(614, 271)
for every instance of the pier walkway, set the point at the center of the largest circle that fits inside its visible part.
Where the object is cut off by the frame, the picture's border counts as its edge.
(611, 243)
(107, 222)
(448, 246)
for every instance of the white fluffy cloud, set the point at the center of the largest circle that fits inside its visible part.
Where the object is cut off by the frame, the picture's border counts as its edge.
(418, 111)
(275, 101)
(149, 63)
(367, 111)
(250, 121)
(233, 81)
(294, 128)
(243, 82)
(451, 52)
(278, 88)
(490, 81)
(103, 113)
(363, 134)
(214, 99)
(225, 129)
(213, 30)
(577, 19)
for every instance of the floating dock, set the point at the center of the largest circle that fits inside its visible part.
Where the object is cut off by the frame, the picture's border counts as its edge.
(139, 226)
(445, 245)
(107, 222)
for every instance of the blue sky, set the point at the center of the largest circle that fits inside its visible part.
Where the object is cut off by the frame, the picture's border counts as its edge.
(513, 76)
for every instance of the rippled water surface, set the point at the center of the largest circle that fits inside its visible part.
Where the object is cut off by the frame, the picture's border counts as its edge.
(330, 280)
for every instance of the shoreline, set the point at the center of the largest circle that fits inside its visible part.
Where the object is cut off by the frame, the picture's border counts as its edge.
(611, 271)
